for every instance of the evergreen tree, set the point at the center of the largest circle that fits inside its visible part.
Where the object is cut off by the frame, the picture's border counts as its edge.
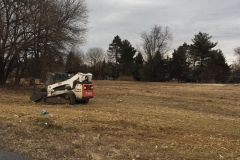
(114, 52)
(216, 69)
(74, 62)
(126, 58)
(201, 51)
(179, 65)
(159, 68)
(139, 64)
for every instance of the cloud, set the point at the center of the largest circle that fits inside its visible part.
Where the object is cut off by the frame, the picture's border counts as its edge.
(185, 18)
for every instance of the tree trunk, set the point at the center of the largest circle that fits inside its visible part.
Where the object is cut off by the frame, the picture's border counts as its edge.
(1, 72)
(2, 79)
(2, 67)
(17, 79)
(115, 66)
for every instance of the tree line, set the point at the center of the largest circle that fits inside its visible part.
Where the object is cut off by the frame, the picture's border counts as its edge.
(196, 62)
(38, 36)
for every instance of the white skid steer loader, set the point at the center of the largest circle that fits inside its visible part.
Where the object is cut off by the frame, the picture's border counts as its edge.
(62, 88)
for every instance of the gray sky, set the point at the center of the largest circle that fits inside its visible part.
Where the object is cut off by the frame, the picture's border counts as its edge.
(185, 18)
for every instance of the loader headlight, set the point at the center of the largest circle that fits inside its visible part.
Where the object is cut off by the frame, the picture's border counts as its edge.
(85, 87)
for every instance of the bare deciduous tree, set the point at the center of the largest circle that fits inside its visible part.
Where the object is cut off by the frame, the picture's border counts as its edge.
(158, 39)
(95, 57)
(38, 32)
(237, 53)
(75, 61)
(155, 44)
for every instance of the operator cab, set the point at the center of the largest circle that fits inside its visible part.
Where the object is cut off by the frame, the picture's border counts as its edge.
(56, 77)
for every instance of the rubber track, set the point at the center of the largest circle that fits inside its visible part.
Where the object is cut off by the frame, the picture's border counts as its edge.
(72, 98)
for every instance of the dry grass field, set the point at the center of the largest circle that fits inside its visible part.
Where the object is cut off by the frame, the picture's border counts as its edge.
(126, 121)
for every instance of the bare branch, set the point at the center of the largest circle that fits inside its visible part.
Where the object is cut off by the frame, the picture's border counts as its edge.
(158, 39)
(237, 53)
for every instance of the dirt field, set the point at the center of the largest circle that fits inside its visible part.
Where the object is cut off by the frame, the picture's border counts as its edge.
(126, 120)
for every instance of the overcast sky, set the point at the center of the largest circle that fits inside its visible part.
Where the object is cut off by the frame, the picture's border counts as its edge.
(185, 18)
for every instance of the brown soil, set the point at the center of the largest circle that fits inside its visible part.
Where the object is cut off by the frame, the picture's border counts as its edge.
(126, 120)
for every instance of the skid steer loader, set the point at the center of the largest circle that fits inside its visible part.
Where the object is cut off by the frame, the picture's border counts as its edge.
(62, 88)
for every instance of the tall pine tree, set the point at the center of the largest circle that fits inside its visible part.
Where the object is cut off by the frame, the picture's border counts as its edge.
(138, 69)
(114, 52)
(179, 65)
(126, 58)
(201, 51)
